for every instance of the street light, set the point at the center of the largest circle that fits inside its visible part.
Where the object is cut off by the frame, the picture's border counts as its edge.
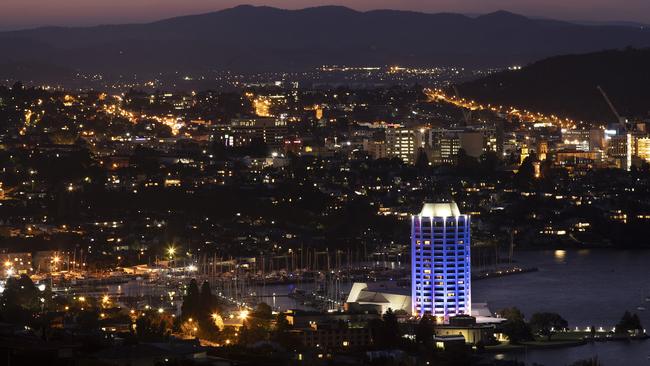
(171, 251)
(243, 314)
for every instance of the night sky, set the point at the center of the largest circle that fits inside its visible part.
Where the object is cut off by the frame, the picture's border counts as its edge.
(29, 13)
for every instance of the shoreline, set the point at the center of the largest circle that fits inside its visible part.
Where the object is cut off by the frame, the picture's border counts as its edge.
(541, 345)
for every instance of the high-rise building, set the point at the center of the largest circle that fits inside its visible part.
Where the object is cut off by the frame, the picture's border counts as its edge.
(620, 149)
(444, 145)
(404, 143)
(500, 138)
(473, 142)
(642, 150)
(376, 149)
(271, 131)
(542, 149)
(523, 154)
(440, 261)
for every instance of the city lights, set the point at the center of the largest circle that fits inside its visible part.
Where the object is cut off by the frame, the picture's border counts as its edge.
(325, 185)
(243, 314)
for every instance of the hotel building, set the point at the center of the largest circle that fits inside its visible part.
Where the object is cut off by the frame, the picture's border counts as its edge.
(440, 257)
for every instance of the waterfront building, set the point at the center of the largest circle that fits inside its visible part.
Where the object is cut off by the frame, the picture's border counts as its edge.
(440, 261)
(466, 326)
(379, 300)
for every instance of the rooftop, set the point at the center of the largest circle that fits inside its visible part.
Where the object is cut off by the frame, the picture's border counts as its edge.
(443, 209)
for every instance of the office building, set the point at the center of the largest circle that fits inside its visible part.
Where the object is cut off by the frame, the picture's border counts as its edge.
(473, 142)
(444, 145)
(376, 149)
(403, 143)
(271, 131)
(619, 149)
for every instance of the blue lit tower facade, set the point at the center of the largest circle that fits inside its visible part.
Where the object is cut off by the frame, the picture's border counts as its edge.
(440, 261)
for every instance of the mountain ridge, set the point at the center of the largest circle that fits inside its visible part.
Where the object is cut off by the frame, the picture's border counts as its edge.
(262, 38)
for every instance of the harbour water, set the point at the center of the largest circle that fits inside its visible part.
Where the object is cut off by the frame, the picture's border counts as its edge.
(587, 287)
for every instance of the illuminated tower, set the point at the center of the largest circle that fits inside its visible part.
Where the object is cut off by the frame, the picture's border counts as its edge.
(542, 150)
(440, 261)
(524, 153)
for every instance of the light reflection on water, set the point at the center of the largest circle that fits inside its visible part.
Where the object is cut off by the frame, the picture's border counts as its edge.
(559, 255)
(587, 287)
(633, 353)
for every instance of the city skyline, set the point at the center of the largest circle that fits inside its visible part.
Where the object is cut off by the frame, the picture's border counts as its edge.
(33, 13)
(203, 182)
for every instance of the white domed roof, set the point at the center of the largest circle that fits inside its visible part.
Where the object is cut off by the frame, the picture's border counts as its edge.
(440, 209)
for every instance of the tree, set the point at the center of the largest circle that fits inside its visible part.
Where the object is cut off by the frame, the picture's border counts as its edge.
(385, 331)
(282, 333)
(20, 300)
(515, 327)
(546, 323)
(391, 327)
(88, 320)
(191, 301)
(526, 173)
(20, 292)
(208, 328)
(153, 327)
(466, 165)
(422, 161)
(629, 323)
(263, 311)
(257, 326)
(252, 331)
(489, 162)
(424, 331)
(200, 306)
(206, 299)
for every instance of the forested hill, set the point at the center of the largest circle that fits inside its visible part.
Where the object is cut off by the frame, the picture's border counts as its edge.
(567, 85)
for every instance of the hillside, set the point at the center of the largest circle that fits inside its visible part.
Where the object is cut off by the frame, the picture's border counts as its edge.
(567, 85)
(247, 38)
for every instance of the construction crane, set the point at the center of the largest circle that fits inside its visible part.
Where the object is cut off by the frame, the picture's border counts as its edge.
(621, 120)
(467, 113)
(626, 161)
